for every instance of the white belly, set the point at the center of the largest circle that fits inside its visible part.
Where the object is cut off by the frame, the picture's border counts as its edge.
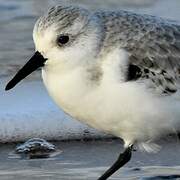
(124, 110)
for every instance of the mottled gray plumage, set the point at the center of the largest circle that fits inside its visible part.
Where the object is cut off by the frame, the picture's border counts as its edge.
(62, 16)
(153, 43)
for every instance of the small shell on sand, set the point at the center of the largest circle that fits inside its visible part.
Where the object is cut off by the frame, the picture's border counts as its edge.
(36, 148)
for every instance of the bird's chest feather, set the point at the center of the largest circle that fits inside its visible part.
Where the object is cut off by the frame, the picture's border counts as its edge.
(92, 104)
(97, 104)
(124, 109)
(69, 93)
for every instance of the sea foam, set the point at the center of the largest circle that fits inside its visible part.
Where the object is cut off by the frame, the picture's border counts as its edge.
(28, 112)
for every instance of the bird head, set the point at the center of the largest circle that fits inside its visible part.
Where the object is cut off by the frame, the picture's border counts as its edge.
(65, 38)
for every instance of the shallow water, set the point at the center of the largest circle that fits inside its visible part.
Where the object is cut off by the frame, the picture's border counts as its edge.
(79, 160)
(88, 160)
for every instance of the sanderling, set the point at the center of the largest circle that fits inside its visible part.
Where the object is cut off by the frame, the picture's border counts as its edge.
(115, 71)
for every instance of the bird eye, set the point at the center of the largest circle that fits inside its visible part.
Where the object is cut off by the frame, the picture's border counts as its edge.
(63, 39)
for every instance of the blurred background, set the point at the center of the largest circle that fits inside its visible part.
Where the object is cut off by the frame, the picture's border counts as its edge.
(17, 18)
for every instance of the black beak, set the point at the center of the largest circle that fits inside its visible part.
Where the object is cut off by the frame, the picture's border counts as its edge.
(36, 61)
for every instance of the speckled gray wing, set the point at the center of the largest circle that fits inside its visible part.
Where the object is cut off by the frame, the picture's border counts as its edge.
(154, 48)
(157, 54)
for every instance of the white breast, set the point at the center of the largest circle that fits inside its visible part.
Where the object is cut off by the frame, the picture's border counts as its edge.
(124, 109)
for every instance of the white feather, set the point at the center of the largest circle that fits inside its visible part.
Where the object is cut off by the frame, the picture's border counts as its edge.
(125, 109)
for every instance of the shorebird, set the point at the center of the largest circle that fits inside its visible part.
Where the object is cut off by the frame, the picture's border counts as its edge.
(116, 71)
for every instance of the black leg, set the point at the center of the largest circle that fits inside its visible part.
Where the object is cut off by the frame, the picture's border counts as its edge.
(121, 161)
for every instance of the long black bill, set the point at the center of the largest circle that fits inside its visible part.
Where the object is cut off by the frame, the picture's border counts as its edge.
(36, 61)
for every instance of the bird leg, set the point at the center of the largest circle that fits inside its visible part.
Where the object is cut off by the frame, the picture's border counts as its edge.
(121, 161)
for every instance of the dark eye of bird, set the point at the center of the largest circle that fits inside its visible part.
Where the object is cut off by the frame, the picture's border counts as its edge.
(63, 39)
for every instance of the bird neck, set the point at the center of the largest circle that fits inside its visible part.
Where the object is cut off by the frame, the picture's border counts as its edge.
(67, 88)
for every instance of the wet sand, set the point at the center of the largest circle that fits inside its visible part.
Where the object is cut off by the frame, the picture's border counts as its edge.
(87, 160)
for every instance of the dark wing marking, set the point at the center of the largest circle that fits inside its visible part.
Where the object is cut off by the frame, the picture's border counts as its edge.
(153, 44)
(155, 53)
(133, 73)
(161, 81)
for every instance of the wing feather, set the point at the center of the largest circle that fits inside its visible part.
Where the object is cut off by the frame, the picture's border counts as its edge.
(153, 44)
(155, 49)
